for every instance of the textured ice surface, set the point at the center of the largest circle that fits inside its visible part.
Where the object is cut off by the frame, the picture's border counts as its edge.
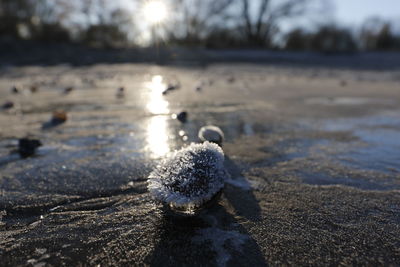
(220, 240)
(211, 133)
(190, 176)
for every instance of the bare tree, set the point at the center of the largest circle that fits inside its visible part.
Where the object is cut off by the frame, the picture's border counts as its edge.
(260, 18)
(194, 19)
(15, 13)
(107, 25)
(376, 34)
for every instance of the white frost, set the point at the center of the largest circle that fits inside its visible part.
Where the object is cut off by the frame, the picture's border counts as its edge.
(190, 176)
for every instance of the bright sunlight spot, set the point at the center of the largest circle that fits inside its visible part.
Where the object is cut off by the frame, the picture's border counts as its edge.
(156, 103)
(157, 137)
(155, 12)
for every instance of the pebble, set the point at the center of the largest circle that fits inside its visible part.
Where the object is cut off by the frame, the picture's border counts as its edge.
(34, 88)
(171, 87)
(182, 116)
(59, 117)
(15, 90)
(27, 147)
(121, 92)
(68, 90)
(212, 134)
(8, 105)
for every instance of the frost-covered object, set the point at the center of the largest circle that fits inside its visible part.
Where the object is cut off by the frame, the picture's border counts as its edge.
(211, 133)
(190, 177)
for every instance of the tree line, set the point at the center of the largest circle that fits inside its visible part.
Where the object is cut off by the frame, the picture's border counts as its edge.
(207, 23)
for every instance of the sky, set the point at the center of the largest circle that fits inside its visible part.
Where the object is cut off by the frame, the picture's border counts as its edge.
(354, 12)
(345, 12)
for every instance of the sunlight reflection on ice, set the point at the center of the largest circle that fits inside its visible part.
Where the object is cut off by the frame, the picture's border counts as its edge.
(157, 136)
(156, 103)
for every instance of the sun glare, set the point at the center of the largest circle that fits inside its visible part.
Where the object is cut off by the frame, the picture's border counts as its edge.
(155, 12)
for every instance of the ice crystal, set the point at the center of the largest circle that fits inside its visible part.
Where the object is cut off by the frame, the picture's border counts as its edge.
(190, 176)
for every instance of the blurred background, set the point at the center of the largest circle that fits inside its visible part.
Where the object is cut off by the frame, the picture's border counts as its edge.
(327, 26)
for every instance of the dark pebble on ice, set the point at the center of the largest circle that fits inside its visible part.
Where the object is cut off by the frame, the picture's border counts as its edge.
(182, 116)
(8, 105)
(58, 117)
(34, 88)
(121, 92)
(15, 90)
(27, 147)
(68, 90)
(171, 87)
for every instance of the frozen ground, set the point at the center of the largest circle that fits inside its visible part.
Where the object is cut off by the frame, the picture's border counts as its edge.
(313, 154)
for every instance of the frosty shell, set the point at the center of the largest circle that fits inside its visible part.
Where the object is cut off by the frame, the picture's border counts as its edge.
(190, 177)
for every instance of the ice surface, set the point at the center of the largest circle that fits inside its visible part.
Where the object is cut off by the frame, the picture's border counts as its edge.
(190, 176)
(219, 240)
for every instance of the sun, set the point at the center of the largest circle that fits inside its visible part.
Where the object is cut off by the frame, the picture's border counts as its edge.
(155, 12)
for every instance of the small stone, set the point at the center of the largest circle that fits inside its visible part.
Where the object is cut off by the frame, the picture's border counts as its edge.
(34, 88)
(212, 134)
(343, 83)
(15, 90)
(8, 105)
(171, 87)
(182, 116)
(68, 90)
(27, 147)
(121, 92)
(59, 117)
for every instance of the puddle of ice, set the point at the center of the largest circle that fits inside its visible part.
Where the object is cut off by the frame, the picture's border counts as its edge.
(380, 138)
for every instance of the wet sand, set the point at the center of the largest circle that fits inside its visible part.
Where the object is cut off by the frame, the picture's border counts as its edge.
(313, 154)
